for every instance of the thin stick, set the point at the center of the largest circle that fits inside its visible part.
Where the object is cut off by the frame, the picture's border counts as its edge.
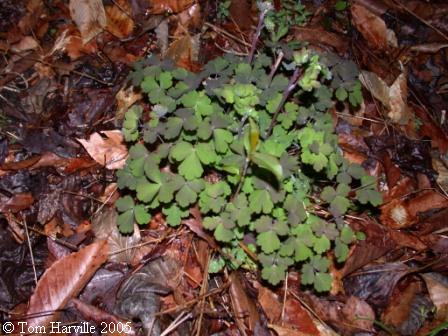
(291, 86)
(284, 297)
(31, 251)
(177, 322)
(257, 36)
(226, 33)
(204, 288)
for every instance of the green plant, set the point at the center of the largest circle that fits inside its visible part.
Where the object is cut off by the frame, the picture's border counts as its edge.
(291, 13)
(255, 152)
(223, 10)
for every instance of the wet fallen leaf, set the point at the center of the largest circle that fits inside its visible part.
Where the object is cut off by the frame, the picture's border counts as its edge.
(270, 303)
(62, 281)
(89, 16)
(108, 151)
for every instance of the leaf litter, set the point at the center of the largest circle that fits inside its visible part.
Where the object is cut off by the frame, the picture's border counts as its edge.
(63, 94)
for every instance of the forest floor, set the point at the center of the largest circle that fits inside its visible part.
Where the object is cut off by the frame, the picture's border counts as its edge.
(64, 91)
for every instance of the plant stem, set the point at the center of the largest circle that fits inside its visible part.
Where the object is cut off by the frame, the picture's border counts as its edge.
(291, 86)
(240, 184)
(276, 65)
(257, 36)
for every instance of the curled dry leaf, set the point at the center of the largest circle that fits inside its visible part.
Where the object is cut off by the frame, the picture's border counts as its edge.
(62, 281)
(89, 16)
(109, 152)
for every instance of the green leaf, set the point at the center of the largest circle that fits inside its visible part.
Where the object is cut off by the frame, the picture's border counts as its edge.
(141, 215)
(341, 94)
(268, 162)
(321, 244)
(216, 265)
(260, 202)
(268, 241)
(347, 235)
(274, 273)
(188, 194)
(339, 206)
(371, 196)
(147, 191)
(223, 234)
(341, 251)
(172, 128)
(222, 138)
(296, 210)
(124, 203)
(174, 215)
(166, 80)
(322, 282)
(125, 221)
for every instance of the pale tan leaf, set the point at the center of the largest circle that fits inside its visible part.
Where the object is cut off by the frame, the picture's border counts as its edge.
(109, 152)
(89, 16)
(62, 281)
(398, 103)
(377, 87)
(438, 291)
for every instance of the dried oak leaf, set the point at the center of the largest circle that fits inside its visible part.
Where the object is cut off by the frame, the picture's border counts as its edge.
(62, 281)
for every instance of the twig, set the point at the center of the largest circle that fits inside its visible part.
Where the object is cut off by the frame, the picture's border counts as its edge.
(191, 302)
(204, 287)
(257, 36)
(226, 33)
(276, 65)
(177, 322)
(284, 298)
(291, 86)
(31, 251)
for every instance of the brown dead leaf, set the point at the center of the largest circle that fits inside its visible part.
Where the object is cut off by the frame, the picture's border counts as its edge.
(119, 21)
(62, 281)
(169, 6)
(25, 44)
(320, 36)
(89, 16)
(299, 318)
(372, 27)
(109, 152)
(270, 303)
(243, 306)
(16, 203)
(402, 213)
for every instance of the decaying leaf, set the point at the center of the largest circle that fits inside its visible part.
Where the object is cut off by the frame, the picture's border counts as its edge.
(62, 281)
(109, 151)
(169, 6)
(372, 27)
(119, 21)
(242, 304)
(438, 290)
(393, 97)
(89, 16)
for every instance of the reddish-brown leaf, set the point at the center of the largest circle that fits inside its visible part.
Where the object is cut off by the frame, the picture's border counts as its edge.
(16, 203)
(372, 27)
(299, 318)
(62, 281)
(243, 306)
(169, 6)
